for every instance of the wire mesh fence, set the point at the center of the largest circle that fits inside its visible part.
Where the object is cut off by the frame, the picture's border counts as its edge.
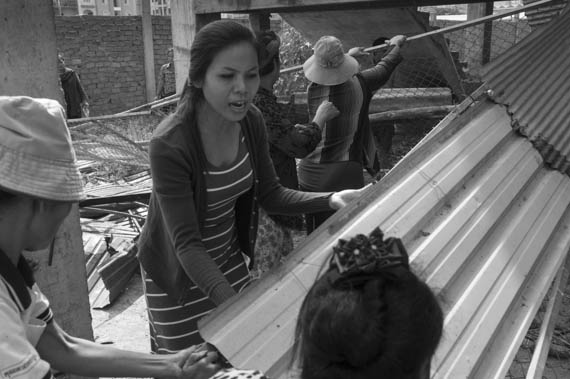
(112, 147)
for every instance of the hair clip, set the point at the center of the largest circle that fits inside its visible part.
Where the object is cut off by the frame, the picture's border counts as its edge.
(364, 256)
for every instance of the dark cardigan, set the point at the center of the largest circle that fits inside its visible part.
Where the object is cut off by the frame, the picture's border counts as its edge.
(170, 246)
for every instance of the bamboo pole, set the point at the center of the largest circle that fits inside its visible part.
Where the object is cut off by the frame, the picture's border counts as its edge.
(411, 113)
(449, 29)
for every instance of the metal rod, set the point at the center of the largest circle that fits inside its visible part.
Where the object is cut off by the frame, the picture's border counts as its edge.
(449, 29)
(110, 211)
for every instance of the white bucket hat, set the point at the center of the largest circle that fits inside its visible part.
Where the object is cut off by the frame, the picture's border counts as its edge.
(36, 155)
(329, 65)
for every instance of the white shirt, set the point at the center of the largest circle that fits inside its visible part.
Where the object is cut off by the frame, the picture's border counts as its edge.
(24, 314)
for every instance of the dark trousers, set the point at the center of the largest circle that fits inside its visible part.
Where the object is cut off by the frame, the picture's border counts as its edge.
(325, 177)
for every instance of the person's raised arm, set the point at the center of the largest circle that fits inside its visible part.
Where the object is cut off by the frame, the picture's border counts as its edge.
(378, 75)
(295, 140)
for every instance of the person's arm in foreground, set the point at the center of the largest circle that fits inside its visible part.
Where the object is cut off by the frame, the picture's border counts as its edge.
(78, 356)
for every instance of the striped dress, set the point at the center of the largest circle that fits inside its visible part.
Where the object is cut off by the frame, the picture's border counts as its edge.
(174, 327)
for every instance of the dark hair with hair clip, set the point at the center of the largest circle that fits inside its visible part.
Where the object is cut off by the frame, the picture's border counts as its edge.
(368, 316)
(208, 42)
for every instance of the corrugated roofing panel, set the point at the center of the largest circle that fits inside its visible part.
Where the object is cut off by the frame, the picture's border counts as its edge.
(543, 15)
(533, 80)
(486, 223)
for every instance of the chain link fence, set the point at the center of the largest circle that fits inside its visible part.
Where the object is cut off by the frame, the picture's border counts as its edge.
(110, 148)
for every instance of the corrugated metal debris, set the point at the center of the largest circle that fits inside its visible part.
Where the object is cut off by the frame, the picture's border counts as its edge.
(543, 15)
(111, 219)
(485, 221)
(533, 81)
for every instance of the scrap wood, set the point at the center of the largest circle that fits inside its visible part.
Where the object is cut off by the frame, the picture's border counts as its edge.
(116, 266)
(139, 198)
(114, 212)
(107, 228)
(95, 211)
(113, 279)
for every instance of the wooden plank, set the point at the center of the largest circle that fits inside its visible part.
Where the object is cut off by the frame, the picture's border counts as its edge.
(229, 6)
(413, 113)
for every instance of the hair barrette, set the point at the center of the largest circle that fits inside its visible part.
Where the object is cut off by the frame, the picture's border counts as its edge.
(362, 258)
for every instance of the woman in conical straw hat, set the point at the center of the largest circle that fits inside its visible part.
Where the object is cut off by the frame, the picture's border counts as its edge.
(348, 144)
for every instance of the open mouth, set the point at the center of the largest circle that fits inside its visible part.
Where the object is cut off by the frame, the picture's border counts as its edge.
(238, 105)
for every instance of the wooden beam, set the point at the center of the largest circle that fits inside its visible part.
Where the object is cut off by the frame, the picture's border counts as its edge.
(229, 6)
(148, 51)
(479, 10)
(413, 113)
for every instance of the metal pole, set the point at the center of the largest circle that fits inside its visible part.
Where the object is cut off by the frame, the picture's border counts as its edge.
(448, 29)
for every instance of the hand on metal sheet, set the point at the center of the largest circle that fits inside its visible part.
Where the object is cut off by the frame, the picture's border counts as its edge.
(342, 198)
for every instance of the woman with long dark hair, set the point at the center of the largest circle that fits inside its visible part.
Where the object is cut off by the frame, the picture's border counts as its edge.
(211, 171)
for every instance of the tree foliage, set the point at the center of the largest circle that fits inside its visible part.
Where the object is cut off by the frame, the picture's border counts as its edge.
(295, 50)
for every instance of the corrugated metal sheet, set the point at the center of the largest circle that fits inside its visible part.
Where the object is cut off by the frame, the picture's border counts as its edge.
(543, 15)
(533, 80)
(486, 223)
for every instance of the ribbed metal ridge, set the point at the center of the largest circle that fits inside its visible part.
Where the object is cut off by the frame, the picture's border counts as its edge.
(533, 80)
(542, 15)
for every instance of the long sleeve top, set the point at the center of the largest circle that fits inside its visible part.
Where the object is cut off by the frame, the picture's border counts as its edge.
(348, 136)
(170, 245)
(74, 93)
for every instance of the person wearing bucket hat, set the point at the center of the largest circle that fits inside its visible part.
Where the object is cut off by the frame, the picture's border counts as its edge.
(287, 142)
(39, 183)
(348, 145)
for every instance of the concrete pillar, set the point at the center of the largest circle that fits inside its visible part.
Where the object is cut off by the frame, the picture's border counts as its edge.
(148, 51)
(28, 66)
(185, 25)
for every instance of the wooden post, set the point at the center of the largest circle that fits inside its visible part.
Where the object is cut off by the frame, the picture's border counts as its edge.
(185, 25)
(479, 10)
(487, 34)
(260, 21)
(28, 38)
(148, 47)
